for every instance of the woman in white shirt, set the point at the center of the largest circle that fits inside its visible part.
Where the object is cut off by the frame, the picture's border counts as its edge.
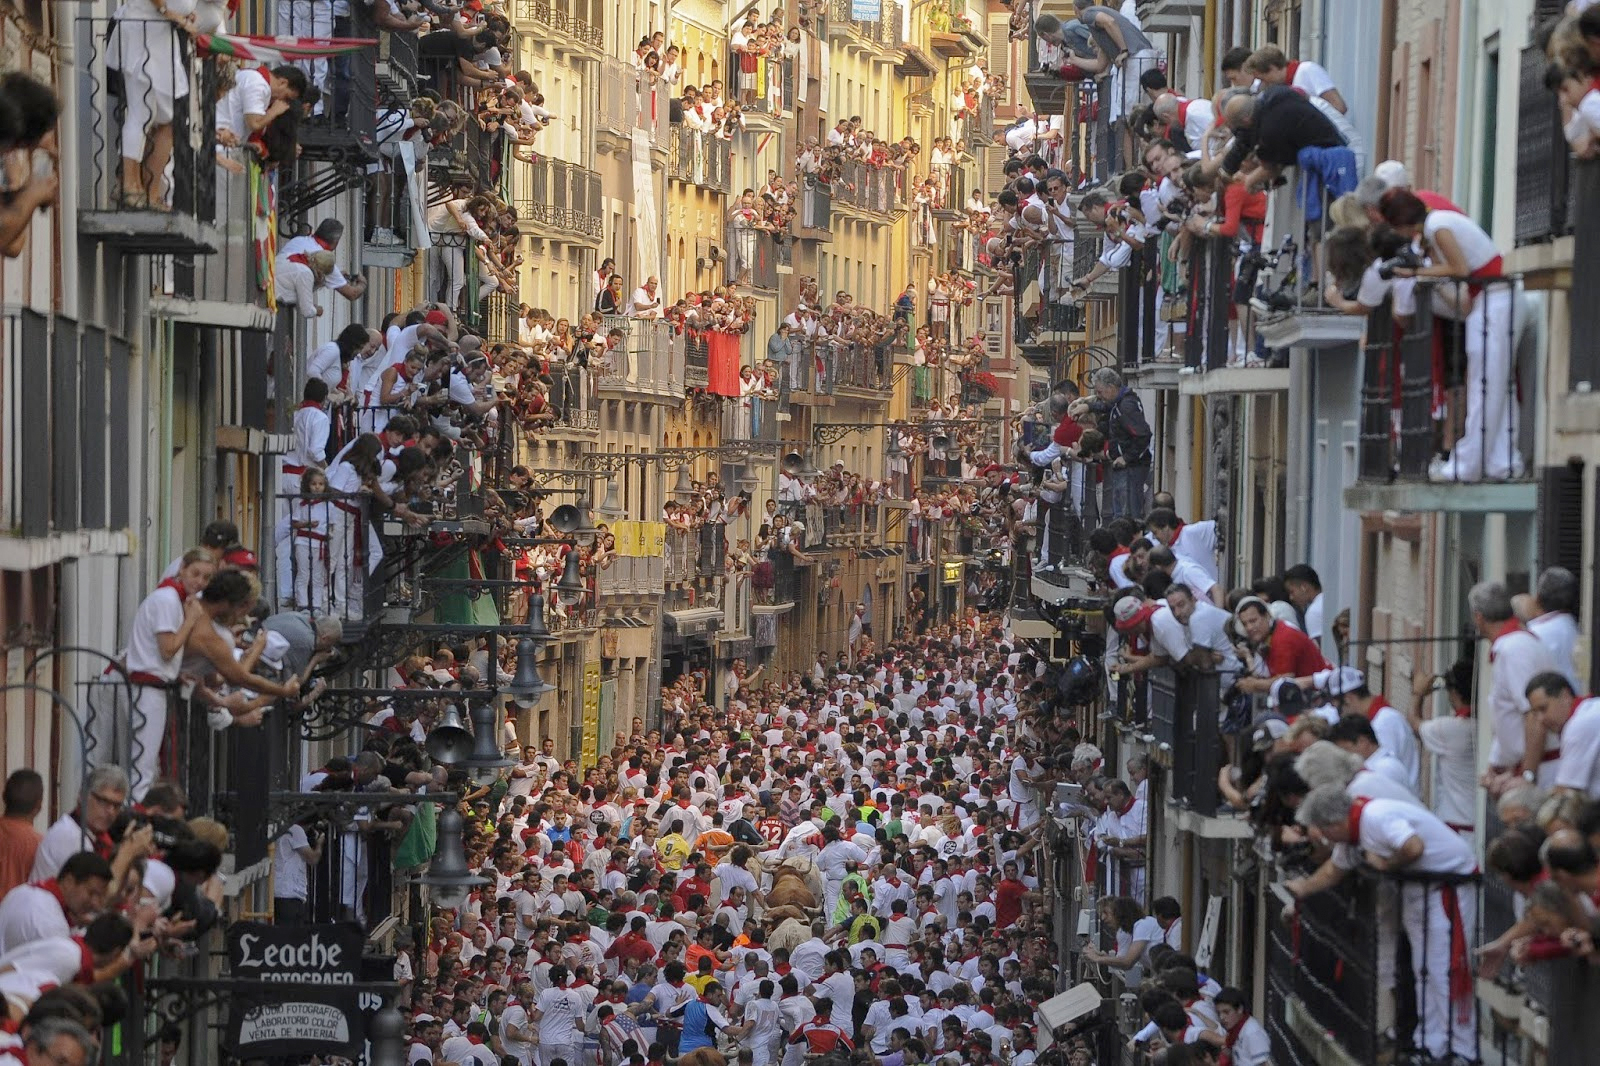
(452, 219)
(1460, 250)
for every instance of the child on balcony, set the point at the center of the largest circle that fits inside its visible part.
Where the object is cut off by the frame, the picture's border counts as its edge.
(1580, 109)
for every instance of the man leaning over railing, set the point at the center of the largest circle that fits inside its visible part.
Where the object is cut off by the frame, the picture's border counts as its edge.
(1438, 894)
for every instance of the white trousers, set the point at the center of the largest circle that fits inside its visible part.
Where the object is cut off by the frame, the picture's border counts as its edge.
(148, 727)
(309, 18)
(1487, 447)
(1443, 1027)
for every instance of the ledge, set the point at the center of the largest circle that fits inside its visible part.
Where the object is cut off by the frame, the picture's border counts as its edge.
(1210, 827)
(1228, 380)
(151, 232)
(1458, 497)
(1156, 375)
(32, 553)
(1311, 329)
(218, 313)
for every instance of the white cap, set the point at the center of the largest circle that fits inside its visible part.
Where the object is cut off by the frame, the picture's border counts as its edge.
(1339, 680)
(159, 883)
(277, 645)
(1393, 174)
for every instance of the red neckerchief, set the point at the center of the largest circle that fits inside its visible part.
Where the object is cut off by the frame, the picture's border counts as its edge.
(1289, 73)
(176, 586)
(1131, 801)
(54, 888)
(474, 1039)
(310, 403)
(104, 846)
(1510, 625)
(1354, 823)
(1119, 553)
(1464, 711)
(1378, 704)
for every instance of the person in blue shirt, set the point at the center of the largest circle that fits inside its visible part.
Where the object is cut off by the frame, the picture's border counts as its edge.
(703, 1017)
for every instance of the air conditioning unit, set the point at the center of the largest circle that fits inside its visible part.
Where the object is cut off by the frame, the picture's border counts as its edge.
(716, 254)
(701, 263)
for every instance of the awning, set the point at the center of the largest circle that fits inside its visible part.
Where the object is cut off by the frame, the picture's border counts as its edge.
(697, 622)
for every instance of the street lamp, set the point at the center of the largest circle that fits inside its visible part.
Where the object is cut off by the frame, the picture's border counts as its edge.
(449, 879)
(684, 488)
(538, 632)
(449, 742)
(570, 589)
(528, 685)
(611, 510)
(486, 760)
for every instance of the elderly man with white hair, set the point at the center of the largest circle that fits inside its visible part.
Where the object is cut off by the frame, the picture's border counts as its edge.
(1438, 901)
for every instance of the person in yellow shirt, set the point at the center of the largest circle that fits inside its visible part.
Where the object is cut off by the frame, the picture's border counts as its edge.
(673, 848)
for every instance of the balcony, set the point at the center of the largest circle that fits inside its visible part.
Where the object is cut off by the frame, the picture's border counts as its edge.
(680, 555)
(952, 33)
(815, 219)
(1289, 300)
(182, 218)
(62, 429)
(850, 524)
(649, 363)
(696, 360)
(773, 93)
(631, 576)
(349, 137)
(1182, 715)
(1219, 347)
(1322, 974)
(702, 159)
(564, 202)
(750, 418)
(880, 35)
(1047, 92)
(977, 128)
(630, 100)
(770, 259)
(826, 367)
(572, 25)
(1488, 432)
(878, 193)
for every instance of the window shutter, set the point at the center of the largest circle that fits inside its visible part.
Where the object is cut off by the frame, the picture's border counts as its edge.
(1561, 507)
(1000, 51)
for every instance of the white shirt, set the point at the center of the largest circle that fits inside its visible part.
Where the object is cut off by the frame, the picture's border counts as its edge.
(1312, 78)
(30, 913)
(1579, 767)
(1185, 572)
(160, 612)
(1386, 825)
(558, 1017)
(289, 869)
(1252, 1047)
(309, 245)
(1197, 542)
(1514, 658)
(1558, 631)
(64, 839)
(311, 428)
(1455, 783)
(1395, 736)
(325, 364)
(1314, 619)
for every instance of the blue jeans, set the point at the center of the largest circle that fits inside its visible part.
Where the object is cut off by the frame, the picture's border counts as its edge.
(1130, 488)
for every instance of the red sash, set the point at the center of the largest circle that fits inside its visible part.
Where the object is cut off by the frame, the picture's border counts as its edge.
(1354, 824)
(1460, 964)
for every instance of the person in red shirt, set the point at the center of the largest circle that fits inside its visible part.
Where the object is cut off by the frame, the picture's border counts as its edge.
(1008, 895)
(633, 944)
(1285, 650)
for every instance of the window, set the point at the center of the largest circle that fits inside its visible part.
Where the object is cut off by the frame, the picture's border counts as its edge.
(1491, 105)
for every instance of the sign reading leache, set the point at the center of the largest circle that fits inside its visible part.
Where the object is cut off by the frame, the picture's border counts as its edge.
(318, 1011)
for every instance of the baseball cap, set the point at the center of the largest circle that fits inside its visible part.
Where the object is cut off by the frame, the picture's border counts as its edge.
(1266, 733)
(1286, 697)
(240, 556)
(1393, 174)
(1131, 612)
(1339, 680)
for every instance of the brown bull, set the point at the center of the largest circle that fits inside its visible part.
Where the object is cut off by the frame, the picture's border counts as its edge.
(789, 889)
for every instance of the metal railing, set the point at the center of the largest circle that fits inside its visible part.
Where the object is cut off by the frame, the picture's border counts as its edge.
(880, 190)
(1583, 366)
(884, 31)
(632, 99)
(1136, 317)
(816, 204)
(1442, 385)
(1210, 342)
(825, 365)
(1183, 715)
(696, 360)
(773, 81)
(977, 127)
(63, 425)
(564, 197)
(702, 159)
(649, 356)
(1544, 163)
(681, 554)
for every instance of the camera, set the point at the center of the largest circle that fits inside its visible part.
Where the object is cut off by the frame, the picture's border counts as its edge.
(1406, 259)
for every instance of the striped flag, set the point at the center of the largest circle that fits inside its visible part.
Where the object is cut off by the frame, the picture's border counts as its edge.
(264, 213)
(274, 51)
